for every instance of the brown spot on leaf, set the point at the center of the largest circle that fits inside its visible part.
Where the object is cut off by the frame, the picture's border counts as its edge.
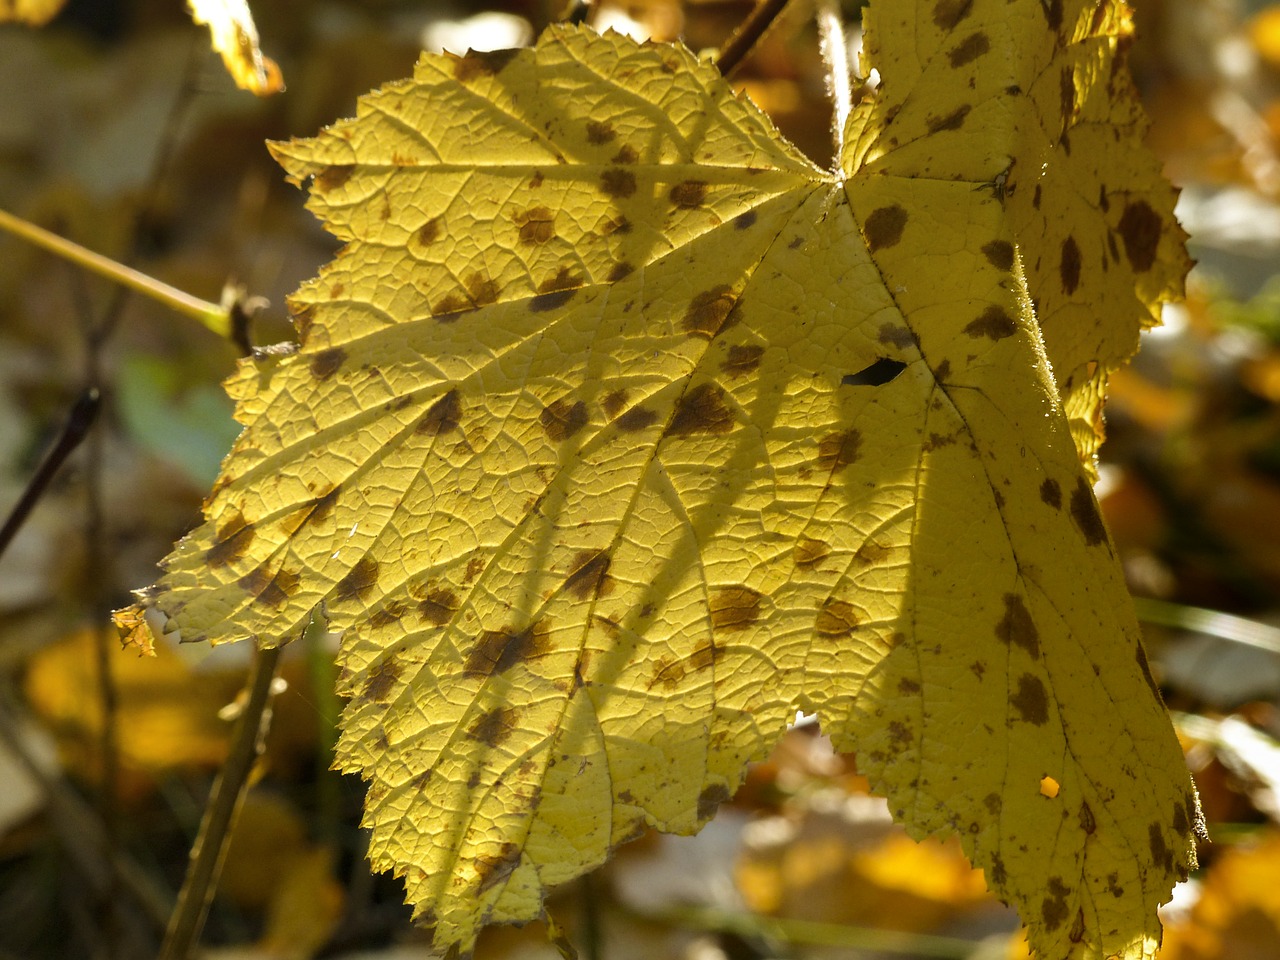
(734, 608)
(999, 254)
(437, 606)
(1077, 928)
(668, 672)
(616, 182)
(952, 121)
(334, 176)
(614, 403)
(1084, 511)
(600, 132)
(838, 450)
(1069, 266)
(493, 868)
(1031, 701)
(1053, 910)
(1181, 820)
(1160, 852)
(998, 873)
(689, 194)
(231, 541)
(497, 651)
(481, 63)
(836, 618)
(429, 232)
(1017, 627)
(948, 13)
(626, 154)
(562, 419)
(1087, 823)
(359, 581)
(743, 358)
(808, 552)
(325, 363)
(972, 47)
(494, 726)
(556, 291)
(387, 614)
(620, 271)
(537, 225)
(273, 591)
(708, 311)
(908, 687)
(443, 416)
(744, 220)
(449, 307)
(481, 289)
(704, 655)
(1051, 493)
(636, 419)
(701, 410)
(993, 323)
(884, 226)
(1140, 229)
(894, 335)
(382, 678)
(710, 798)
(994, 803)
(590, 575)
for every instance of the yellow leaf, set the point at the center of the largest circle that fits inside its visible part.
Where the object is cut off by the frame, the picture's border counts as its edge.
(619, 432)
(34, 12)
(235, 39)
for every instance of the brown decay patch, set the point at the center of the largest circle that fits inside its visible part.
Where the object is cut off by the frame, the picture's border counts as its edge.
(952, 121)
(948, 13)
(894, 335)
(636, 419)
(1031, 701)
(998, 873)
(1140, 229)
(743, 359)
(337, 290)
(745, 220)
(494, 726)
(838, 450)
(303, 317)
(704, 655)
(1067, 93)
(325, 363)
(708, 311)
(1087, 823)
(1181, 820)
(1077, 928)
(994, 803)
(1051, 493)
(437, 605)
(536, 180)
(620, 271)
(600, 132)
(387, 614)
(710, 798)
(275, 590)
(429, 232)
(359, 581)
(589, 576)
(626, 154)
(616, 182)
(449, 307)
(1084, 511)
(613, 404)
(482, 290)
(443, 416)
(382, 678)
(734, 608)
(493, 868)
(231, 542)
(908, 687)
(689, 194)
(808, 552)
(1161, 855)
(969, 49)
(899, 733)
(999, 254)
(993, 323)
(474, 566)
(883, 227)
(667, 671)
(561, 419)
(836, 618)
(701, 410)
(978, 668)
(537, 225)
(556, 291)
(334, 176)
(478, 63)
(1069, 266)
(497, 651)
(1017, 627)
(1053, 910)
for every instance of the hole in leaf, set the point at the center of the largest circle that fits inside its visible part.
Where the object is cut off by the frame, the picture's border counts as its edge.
(875, 375)
(1049, 787)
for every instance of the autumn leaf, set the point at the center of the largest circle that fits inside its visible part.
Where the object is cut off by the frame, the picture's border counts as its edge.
(33, 12)
(619, 432)
(235, 39)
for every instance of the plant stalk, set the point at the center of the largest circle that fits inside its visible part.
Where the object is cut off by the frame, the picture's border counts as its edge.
(749, 32)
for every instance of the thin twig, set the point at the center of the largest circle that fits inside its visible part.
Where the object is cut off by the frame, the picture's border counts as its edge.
(210, 849)
(747, 35)
(79, 421)
(835, 54)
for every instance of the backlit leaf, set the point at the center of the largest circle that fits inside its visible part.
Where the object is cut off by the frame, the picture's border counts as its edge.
(34, 12)
(235, 39)
(619, 432)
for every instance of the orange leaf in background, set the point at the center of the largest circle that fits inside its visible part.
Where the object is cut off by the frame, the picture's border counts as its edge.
(236, 38)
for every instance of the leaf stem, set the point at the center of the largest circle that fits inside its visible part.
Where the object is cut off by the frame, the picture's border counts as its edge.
(215, 317)
(746, 36)
(210, 848)
(835, 54)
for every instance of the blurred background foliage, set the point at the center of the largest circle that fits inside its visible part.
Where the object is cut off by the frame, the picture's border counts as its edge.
(120, 130)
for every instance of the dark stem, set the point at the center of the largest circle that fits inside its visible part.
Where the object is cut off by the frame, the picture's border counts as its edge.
(210, 849)
(79, 422)
(747, 35)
